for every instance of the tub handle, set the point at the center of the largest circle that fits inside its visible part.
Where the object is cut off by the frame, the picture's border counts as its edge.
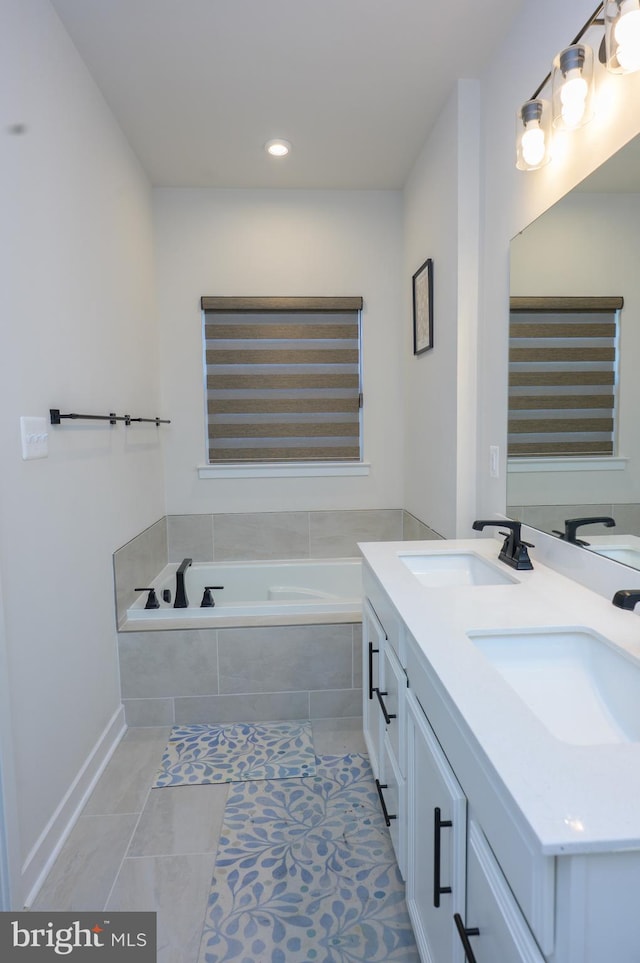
(152, 598)
(208, 600)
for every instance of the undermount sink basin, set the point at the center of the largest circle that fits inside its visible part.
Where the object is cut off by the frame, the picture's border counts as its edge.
(619, 553)
(578, 684)
(438, 569)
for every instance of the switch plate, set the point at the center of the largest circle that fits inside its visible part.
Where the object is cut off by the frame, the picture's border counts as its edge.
(494, 461)
(35, 437)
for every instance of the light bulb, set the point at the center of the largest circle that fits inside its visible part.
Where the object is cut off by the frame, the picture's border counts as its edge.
(627, 36)
(533, 146)
(278, 148)
(573, 97)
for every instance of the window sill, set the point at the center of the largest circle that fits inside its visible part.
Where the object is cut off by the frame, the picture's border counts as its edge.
(299, 469)
(596, 463)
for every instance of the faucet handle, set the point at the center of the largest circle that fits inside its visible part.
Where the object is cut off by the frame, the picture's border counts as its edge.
(152, 598)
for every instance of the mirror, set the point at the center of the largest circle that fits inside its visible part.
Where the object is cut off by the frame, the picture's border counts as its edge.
(586, 245)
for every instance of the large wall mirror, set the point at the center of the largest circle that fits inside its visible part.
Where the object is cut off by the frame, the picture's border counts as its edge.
(588, 246)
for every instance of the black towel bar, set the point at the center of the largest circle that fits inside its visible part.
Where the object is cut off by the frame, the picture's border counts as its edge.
(112, 418)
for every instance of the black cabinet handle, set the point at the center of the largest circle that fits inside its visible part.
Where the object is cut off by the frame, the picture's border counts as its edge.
(388, 716)
(387, 816)
(464, 934)
(438, 824)
(372, 652)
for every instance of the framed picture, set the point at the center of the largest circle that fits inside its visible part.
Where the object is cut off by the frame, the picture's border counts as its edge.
(423, 307)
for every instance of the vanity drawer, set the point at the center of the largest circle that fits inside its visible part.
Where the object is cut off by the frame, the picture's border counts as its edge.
(394, 798)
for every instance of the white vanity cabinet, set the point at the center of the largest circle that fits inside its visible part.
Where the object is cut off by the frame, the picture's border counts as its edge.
(437, 829)
(493, 928)
(384, 688)
(373, 641)
(516, 845)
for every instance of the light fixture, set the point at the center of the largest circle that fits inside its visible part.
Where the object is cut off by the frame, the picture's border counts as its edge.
(572, 87)
(622, 36)
(277, 147)
(533, 135)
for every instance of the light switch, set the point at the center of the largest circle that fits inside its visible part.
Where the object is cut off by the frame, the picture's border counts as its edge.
(35, 437)
(494, 461)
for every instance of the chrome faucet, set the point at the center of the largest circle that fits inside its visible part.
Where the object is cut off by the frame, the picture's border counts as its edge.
(181, 601)
(514, 550)
(571, 526)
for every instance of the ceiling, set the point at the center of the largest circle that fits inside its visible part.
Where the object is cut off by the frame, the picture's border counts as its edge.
(199, 86)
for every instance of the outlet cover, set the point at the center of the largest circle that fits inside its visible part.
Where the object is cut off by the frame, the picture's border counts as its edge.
(35, 437)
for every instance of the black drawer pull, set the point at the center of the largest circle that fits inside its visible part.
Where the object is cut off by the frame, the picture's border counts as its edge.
(388, 716)
(465, 933)
(387, 816)
(438, 824)
(372, 652)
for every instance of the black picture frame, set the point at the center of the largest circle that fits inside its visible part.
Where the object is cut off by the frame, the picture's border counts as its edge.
(422, 284)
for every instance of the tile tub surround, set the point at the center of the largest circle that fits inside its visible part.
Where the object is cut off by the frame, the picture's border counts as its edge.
(252, 537)
(233, 675)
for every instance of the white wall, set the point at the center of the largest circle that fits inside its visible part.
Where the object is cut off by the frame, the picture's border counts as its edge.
(266, 242)
(513, 199)
(587, 245)
(441, 221)
(78, 315)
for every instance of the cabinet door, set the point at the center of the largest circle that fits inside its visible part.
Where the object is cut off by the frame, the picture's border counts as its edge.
(494, 927)
(392, 706)
(391, 788)
(436, 842)
(373, 640)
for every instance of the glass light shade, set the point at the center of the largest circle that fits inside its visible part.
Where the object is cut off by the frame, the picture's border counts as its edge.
(572, 87)
(622, 36)
(533, 135)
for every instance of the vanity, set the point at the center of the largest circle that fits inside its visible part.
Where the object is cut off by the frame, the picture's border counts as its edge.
(502, 718)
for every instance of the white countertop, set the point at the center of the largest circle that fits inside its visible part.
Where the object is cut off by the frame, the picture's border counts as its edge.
(574, 798)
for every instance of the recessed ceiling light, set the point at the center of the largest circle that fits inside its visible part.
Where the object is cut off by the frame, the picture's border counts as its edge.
(277, 148)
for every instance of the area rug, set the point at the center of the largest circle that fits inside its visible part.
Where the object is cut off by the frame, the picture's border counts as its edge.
(203, 754)
(305, 871)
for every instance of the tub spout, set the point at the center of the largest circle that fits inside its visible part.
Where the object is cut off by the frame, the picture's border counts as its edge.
(181, 600)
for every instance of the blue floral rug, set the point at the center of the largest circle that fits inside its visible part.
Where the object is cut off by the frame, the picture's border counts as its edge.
(202, 754)
(306, 873)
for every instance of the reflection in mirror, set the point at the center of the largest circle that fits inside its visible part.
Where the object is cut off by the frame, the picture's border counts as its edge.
(586, 246)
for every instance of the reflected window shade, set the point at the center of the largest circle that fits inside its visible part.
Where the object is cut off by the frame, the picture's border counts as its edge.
(562, 376)
(282, 381)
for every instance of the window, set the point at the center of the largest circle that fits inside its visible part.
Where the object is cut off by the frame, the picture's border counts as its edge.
(562, 376)
(282, 379)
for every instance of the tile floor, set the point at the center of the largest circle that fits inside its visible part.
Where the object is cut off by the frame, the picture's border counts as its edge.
(135, 847)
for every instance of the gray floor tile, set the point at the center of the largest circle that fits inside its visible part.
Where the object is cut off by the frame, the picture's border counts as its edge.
(83, 873)
(183, 820)
(176, 888)
(125, 783)
(335, 737)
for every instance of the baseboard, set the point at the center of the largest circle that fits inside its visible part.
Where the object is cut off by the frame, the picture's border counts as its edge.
(42, 856)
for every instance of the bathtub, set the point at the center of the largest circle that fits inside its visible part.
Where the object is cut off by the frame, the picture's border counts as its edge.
(267, 592)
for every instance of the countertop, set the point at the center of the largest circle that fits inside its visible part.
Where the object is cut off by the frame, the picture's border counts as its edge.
(574, 798)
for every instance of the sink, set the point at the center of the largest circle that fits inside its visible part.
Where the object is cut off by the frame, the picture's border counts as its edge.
(580, 686)
(438, 569)
(629, 556)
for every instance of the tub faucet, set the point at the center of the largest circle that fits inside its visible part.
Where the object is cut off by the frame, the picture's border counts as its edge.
(181, 600)
(571, 525)
(514, 550)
